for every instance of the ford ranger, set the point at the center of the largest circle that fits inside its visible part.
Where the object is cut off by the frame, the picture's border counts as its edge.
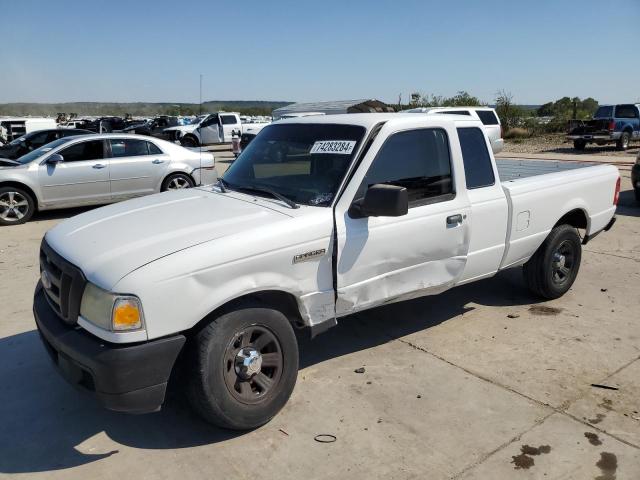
(318, 218)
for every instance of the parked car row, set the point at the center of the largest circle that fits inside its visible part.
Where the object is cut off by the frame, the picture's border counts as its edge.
(95, 169)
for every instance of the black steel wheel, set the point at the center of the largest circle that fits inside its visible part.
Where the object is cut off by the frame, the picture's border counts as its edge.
(242, 366)
(551, 271)
(253, 364)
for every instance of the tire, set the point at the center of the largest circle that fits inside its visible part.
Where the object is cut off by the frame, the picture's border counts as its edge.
(17, 206)
(551, 271)
(230, 394)
(189, 141)
(636, 191)
(623, 142)
(579, 144)
(177, 181)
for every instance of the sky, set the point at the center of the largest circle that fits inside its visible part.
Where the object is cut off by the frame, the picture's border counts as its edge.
(298, 50)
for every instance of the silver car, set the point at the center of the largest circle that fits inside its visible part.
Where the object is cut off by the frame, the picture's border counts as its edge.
(94, 170)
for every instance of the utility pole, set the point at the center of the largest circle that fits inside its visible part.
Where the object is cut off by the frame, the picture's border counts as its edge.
(200, 94)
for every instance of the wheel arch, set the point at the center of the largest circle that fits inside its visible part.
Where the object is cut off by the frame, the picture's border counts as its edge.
(576, 217)
(280, 300)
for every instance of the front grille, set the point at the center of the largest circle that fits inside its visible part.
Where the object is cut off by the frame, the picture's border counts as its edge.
(66, 284)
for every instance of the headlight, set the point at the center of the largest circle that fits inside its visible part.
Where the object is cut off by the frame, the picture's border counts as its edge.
(111, 311)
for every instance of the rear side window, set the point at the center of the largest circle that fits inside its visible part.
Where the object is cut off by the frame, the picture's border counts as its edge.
(626, 111)
(127, 147)
(228, 119)
(487, 117)
(418, 160)
(154, 149)
(92, 150)
(455, 112)
(604, 112)
(477, 161)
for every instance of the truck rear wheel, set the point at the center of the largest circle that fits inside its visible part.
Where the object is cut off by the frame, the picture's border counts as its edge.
(579, 144)
(243, 367)
(623, 141)
(551, 271)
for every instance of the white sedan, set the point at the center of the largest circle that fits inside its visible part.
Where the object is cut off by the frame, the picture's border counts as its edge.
(94, 170)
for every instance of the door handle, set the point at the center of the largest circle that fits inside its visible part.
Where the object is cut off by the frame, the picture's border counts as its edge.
(157, 162)
(98, 166)
(454, 219)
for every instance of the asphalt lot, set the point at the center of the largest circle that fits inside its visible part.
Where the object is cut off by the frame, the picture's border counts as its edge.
(482, 382)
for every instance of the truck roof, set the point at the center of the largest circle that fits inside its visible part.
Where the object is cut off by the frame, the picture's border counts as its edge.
(368, 120)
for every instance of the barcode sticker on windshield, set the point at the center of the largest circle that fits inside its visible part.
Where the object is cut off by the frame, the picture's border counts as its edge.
(341, 147)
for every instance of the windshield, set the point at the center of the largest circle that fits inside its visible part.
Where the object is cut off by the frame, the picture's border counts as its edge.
(38, 152)
(303, 162)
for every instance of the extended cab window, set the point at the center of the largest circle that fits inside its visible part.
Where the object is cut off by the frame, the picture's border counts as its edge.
(478, 169)
(127, 147)
(487, 117)
(626, 111)
(228, 119)
(418, 160)
(92, 150)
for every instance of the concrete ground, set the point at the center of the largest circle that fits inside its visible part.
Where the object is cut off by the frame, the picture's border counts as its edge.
(482, 382)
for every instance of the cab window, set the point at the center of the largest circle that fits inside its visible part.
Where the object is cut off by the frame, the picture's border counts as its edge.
(418, 160)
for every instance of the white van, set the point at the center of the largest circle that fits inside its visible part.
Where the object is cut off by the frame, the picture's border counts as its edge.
(15, 127)
(486, 115)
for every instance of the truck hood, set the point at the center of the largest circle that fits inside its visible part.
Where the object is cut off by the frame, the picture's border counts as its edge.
(110, 242)
(182, 128)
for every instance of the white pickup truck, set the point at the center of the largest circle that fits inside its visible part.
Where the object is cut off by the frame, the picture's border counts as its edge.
(206, 130)
(318, 218)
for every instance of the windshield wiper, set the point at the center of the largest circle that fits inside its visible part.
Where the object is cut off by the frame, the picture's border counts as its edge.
(221, 184)
(273, 193)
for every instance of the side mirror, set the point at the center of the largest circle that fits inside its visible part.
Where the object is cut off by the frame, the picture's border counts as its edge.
(55, 158)
(381, 200)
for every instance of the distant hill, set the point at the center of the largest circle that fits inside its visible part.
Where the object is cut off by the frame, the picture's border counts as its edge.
(248, 107)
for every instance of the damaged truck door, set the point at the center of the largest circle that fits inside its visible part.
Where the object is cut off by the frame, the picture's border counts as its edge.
(424, 251)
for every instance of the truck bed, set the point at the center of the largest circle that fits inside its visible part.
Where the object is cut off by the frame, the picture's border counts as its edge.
(513, 169)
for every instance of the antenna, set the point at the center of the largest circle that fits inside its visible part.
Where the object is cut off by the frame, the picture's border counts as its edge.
(200, 94)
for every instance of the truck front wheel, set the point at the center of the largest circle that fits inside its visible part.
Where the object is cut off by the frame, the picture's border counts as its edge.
(243, 367)
(189, 141)
(579, 144)
(623, 141)
(551, 271)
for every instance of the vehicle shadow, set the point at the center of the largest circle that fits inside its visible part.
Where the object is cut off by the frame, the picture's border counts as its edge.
(45, 421)
(631, 152)
(60, 214)
(628, 205)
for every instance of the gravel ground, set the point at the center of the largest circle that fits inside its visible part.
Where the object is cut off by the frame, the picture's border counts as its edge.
(556, 143)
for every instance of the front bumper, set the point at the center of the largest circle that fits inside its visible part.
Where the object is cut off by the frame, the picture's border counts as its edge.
(124, 377)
